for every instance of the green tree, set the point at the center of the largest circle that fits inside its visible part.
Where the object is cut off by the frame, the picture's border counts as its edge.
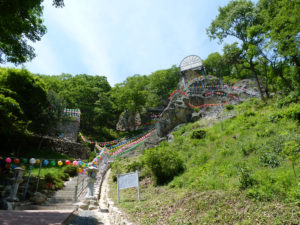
(216, 65)
(29, 92)
(234, 20)
(131, 94)
(160, 85)
(20, 22)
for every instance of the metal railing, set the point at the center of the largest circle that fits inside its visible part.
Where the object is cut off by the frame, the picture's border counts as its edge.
(80, 188)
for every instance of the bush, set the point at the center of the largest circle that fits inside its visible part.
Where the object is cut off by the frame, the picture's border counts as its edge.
(57, 182)
(247, 148)
(50, 178)
(229, 107)
(246, 180)
(64, 176)
(71, 170)
(133, 166)
(164, 164)
(92, 156)
(269, 159)
(198, 134)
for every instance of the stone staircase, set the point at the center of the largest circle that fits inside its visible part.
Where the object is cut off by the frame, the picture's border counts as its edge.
(62, 199)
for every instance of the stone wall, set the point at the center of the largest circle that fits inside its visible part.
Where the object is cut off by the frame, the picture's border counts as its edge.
(69, 129)
(72, 149)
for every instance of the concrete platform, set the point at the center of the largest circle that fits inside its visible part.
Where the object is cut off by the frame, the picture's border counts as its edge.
(34, 217)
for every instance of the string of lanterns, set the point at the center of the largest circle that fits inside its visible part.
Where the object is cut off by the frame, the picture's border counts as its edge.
(207, 105)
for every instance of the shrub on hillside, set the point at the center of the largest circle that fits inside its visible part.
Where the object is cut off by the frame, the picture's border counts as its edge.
(164, 163)
(57, 182)
(198, 134)
(229, 107)
(246, 179)
(71, 170)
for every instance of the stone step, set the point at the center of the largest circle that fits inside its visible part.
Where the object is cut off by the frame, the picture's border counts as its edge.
(48, 207)
(61, 200)
(64, 193)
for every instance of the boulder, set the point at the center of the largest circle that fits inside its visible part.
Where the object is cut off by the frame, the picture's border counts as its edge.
(92, 207)
(38, 198)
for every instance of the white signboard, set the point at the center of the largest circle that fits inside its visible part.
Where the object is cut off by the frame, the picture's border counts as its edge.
(128, 180)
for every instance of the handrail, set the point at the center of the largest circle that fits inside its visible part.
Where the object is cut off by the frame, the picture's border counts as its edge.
(80, 187)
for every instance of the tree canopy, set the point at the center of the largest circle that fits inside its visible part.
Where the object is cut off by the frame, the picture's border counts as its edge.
(267, 44)
(20, 22)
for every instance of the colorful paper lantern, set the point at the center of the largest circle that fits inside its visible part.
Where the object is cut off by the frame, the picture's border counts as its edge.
(60, 163)
(67, 162)
(32, 161)
(53, 163)
(24, 160)
(83, 165)
(13, 166)
(46, 162)
(75, 163)
(16, 161)
(8, 160)
(37, 161)
(79, 170)
(7, 166)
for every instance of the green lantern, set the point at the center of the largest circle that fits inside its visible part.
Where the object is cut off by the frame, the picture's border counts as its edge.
(24, 160)
(53, 163)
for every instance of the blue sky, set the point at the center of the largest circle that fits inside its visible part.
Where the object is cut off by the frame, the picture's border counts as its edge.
(120, 38)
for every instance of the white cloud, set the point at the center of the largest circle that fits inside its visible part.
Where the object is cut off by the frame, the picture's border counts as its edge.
(119, 38)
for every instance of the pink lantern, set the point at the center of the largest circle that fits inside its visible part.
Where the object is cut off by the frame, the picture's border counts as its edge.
(8, 160)
(67, 162)
(75, 163)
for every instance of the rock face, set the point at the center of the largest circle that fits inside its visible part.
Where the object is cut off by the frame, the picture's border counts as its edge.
(177, 112)
(185, 107)
(129, 121)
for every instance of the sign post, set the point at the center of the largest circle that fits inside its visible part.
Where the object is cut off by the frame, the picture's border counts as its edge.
(128, 180)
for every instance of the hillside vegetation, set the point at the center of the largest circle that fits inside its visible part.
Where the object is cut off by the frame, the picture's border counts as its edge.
(242, 170)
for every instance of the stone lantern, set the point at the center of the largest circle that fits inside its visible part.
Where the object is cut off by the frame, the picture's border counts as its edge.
(92, 172)
(17, 180)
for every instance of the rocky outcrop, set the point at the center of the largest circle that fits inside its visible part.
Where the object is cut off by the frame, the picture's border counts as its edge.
(177, 112)
(129, 121)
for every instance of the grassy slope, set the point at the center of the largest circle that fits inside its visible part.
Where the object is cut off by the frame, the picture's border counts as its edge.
(237, 174)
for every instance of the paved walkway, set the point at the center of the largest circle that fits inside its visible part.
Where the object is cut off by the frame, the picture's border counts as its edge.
(33, 217)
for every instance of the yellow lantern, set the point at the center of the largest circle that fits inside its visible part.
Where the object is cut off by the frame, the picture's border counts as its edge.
(60, 163)
(37, 161)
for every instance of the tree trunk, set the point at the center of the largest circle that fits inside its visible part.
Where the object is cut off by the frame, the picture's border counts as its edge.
(257, 81)
(267, 86)
(40, 143)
